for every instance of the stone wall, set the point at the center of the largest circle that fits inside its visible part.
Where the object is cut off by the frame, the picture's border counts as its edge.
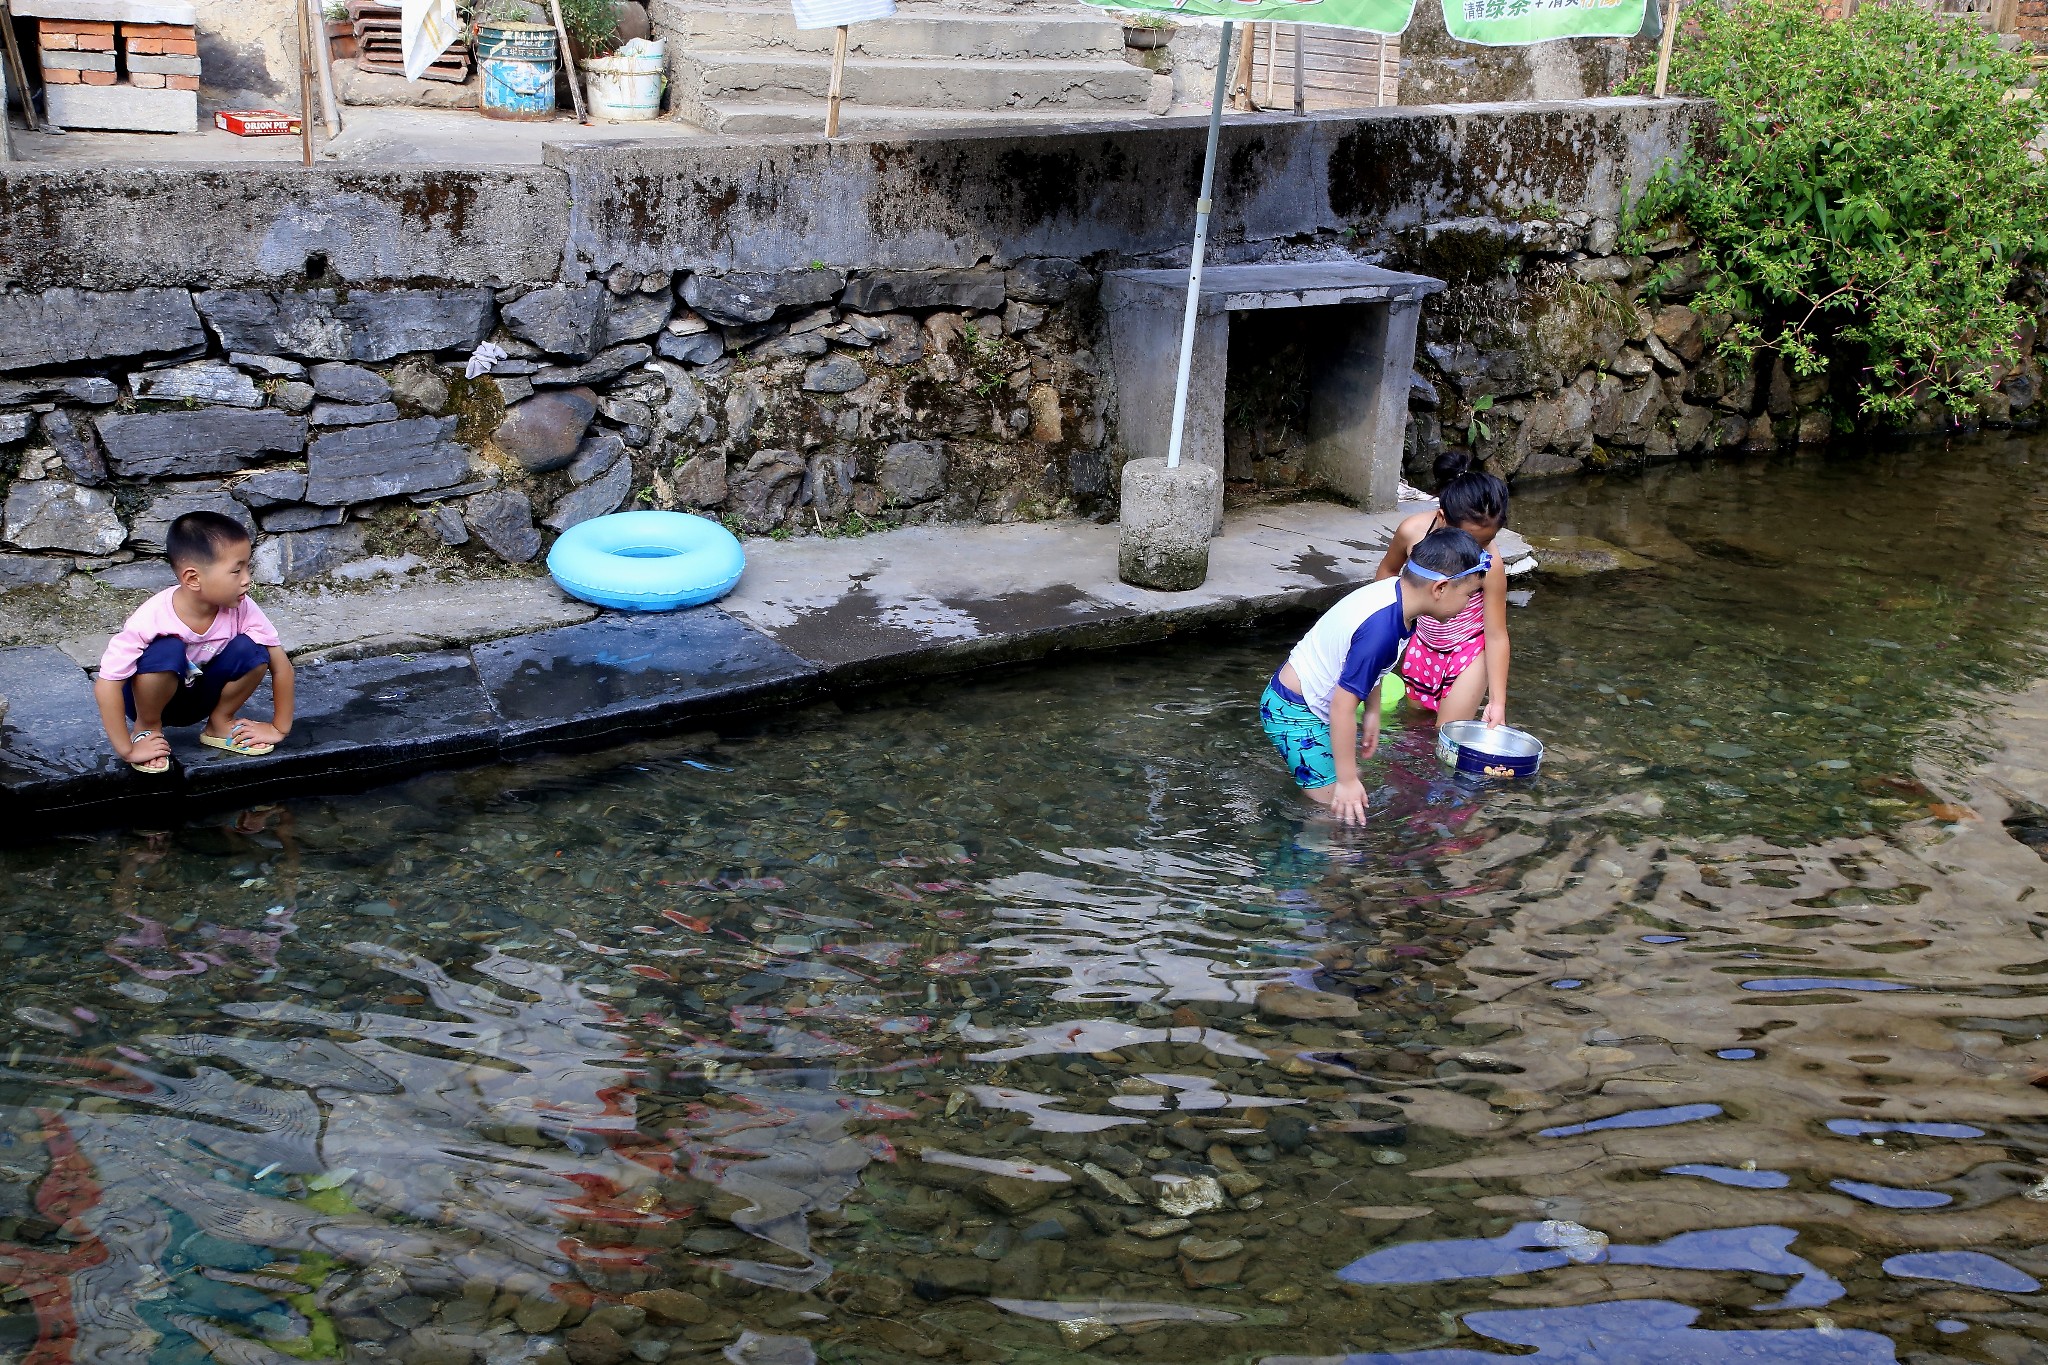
(798, 337)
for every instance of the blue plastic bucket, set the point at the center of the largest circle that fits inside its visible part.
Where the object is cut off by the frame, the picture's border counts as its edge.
(518, 64)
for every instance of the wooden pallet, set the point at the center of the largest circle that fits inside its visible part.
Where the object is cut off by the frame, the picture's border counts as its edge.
(1340, 68)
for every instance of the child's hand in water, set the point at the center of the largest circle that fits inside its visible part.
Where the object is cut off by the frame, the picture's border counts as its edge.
(1348, 803)
(1495, 715)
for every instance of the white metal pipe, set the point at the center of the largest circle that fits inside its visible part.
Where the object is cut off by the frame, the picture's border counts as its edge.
(1202, 207)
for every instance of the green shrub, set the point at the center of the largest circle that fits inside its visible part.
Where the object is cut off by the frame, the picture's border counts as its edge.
(1867, 196)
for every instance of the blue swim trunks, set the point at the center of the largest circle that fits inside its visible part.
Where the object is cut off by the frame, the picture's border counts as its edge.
(1301, 737)
(198, 690)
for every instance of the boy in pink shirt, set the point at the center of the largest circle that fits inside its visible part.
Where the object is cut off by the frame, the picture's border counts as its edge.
(195, 652)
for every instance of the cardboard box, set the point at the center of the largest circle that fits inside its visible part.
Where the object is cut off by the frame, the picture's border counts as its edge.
(257, 122)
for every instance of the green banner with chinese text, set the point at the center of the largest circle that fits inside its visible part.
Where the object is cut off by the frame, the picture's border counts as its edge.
(1514, 23)
(1373, 16)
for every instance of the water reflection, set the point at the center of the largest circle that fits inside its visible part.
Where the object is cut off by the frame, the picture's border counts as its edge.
(1023, 1018)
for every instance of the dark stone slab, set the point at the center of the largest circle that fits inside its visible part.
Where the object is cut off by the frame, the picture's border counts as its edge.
(756, 296)
(562, 319)
(151, 445)
(610, 365)
(61, 326)
(146, 533)
(636, 317)
(627, 672)
(70, 434)
(344, 383)
(363, 717)
(368, 324)
(51, 744)
(358, 464)
(79, 388)
(885, 291)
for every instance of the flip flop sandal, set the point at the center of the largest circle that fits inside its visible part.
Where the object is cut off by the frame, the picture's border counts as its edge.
(235, 745)
(156, 767)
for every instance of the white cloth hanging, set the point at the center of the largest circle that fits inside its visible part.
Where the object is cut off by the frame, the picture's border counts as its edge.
(426, 29)
(833, 13)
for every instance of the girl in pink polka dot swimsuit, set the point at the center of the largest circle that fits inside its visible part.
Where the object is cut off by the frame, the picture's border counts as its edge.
(1437, 665)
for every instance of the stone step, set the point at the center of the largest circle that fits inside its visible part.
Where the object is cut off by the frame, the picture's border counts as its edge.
(746, 120)
(702, 79)
(946, 33)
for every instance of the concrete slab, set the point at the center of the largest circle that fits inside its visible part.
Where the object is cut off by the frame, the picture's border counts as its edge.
(371, 136)
(370, 718)
(319, 624)
(631, 673)
(51, 738)
(954, 597)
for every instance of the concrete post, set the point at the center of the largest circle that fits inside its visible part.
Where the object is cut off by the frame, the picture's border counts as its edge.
(1165, 531)
(1358, 403)
(1144, 332)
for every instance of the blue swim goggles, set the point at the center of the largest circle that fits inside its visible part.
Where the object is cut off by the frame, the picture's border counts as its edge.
(1485, 563)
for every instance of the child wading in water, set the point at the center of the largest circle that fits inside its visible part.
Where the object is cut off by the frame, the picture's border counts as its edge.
(195, 653)
(1310, 709)
(1437, 666)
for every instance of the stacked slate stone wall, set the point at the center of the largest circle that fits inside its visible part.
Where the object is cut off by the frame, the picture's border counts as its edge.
(797, 336)
(338, 424)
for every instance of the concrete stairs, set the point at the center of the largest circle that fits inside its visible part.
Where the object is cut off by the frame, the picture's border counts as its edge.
(740, 68)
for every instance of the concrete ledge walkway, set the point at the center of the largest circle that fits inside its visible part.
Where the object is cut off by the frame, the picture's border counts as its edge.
(809, 616)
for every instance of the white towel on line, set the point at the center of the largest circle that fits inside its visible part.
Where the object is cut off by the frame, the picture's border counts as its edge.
(832, 13)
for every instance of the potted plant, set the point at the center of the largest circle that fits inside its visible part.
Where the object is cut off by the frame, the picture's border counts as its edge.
(341, 29)
(624, 70)
(1147, 31)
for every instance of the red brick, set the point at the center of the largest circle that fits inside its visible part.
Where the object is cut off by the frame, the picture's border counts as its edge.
(60, 42)
(146, 80)
(93, 42)
(54, 76)
(158, 31)
(74, 26)
(99, 78)
(182, 82)
(164, 47)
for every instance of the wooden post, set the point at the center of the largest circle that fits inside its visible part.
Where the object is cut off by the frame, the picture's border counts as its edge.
(330, 106)
(838, 82)
(1300, 76)
(1272, 60)
(305, 89)
(17, 73)
(575, 80)
(1379, 83)
(1664, 46)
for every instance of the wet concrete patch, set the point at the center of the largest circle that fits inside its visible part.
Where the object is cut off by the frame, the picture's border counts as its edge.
(364, 716)
(51, 741)
(629, 672)
(864, 631)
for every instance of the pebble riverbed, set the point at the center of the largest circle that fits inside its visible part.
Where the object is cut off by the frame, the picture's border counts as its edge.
(1028, 1018)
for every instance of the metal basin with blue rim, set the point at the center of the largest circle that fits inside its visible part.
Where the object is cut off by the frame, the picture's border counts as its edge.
(1471, 746)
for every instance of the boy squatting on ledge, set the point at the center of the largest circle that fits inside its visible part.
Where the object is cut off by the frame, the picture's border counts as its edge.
(1310, 708)
(195, 652)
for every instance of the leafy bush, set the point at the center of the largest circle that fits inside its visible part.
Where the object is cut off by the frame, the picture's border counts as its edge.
(1867, 194)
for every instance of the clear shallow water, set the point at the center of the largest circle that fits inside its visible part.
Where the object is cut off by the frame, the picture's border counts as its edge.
(928, 1026)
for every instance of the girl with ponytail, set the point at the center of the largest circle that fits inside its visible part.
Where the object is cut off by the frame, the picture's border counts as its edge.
(1438, 665)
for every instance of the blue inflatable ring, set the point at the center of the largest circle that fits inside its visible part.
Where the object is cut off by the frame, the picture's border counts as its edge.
(647, 561)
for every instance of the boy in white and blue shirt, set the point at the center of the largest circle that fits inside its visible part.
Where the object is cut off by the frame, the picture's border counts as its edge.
(1311, 707)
